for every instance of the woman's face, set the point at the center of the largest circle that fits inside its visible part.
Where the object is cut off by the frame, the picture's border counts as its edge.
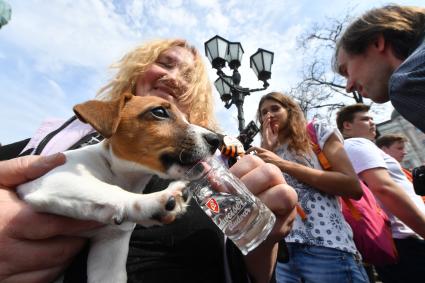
(272, 113)
(167, 77)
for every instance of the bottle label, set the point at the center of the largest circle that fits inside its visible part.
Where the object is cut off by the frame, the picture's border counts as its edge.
(213, 205)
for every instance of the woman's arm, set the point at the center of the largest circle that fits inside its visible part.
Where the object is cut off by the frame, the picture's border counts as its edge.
(341, 180)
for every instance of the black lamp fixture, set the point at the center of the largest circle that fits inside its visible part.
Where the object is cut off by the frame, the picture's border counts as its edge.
(222, 84)
(234, 55)
(261, 63)
(216, 51)
(221, 51)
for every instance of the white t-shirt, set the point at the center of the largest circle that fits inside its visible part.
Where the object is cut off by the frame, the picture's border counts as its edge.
(364, 154)
(325, 224)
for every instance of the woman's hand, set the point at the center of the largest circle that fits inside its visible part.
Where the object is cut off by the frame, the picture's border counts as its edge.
(269, 133)
(267, 156)
(34, 247)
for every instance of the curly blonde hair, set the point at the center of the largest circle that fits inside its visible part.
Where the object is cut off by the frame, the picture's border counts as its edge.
(198, 98)
(295, 131)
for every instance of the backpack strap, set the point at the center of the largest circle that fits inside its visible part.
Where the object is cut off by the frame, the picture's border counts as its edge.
(301, 212)
(353, 210)
(88, 139)
(47, 138)
(324, 162)
(408, 174)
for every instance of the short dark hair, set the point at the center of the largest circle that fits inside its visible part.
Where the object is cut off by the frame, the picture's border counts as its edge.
(346, 114)
(389, 139)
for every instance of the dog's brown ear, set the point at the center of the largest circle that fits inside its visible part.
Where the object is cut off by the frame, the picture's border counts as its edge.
(104, 116)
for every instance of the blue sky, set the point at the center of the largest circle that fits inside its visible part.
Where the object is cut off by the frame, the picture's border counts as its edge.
(54, 54)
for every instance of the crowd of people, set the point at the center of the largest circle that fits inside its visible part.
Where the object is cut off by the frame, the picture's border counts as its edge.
(301, 171)
(190, 248)
(387, 181)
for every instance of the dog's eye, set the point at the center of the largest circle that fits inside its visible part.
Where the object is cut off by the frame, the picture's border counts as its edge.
(160, 113)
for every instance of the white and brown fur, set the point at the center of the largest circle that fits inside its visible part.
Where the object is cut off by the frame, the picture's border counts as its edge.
(103, 182)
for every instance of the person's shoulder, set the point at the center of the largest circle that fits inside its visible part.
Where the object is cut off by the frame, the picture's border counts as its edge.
(364, 154)
(356, 147)
(324, 130)
(417, 57)
(356, 142)
(411, 67)
(321, 125)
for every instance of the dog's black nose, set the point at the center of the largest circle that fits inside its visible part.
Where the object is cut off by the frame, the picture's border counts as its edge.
(213, 140)
(171, 203)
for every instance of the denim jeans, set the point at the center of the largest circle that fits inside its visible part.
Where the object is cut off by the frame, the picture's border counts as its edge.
(314, 264)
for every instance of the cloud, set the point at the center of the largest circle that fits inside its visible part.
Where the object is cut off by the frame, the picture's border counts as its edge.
(54, 54)
(206, 3)
(56, 89)
(179, 16)
(80, 33)
(57, 55)
(216, 20)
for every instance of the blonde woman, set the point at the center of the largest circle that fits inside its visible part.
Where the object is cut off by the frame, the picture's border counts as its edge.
(192, 249)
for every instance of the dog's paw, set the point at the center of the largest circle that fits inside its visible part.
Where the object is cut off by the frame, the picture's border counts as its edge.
(177, 197)
(161, 207)
(180, 189)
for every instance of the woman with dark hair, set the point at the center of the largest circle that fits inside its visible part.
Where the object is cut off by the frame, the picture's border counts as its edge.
(321, 247)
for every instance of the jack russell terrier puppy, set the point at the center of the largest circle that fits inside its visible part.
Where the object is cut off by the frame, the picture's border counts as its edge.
(102, 182)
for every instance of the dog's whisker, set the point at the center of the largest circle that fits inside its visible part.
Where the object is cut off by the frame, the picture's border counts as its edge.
(180, 155)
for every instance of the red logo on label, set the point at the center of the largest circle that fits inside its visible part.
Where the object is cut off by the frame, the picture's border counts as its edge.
(213, 205)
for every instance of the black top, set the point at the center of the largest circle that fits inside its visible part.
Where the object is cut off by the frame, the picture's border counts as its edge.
(12, 150)
(188, 250)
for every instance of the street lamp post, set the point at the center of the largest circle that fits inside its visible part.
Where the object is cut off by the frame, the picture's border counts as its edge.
(5, 13)
(221, 51)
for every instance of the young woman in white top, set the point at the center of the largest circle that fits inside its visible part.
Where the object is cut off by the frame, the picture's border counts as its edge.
(320, 245)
